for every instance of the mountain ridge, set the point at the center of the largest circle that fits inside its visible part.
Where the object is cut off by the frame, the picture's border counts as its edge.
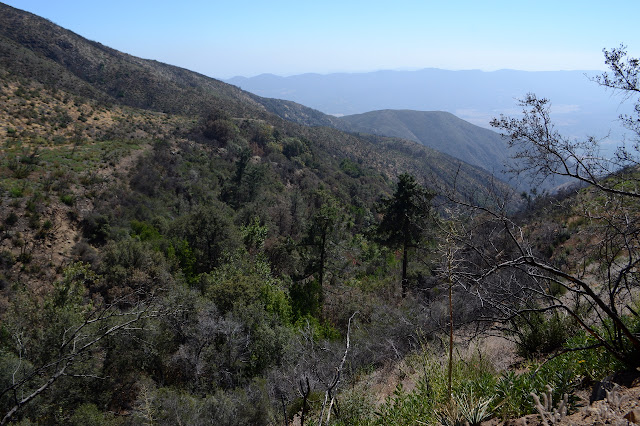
(580, 106)
(439, 130)
(104, 73)
(35, 48)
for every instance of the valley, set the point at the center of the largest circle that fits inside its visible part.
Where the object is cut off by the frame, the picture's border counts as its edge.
(176, 250)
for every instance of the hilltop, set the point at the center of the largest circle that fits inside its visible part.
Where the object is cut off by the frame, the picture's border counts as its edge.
(441, 131)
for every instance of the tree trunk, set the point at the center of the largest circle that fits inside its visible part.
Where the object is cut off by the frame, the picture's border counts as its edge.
(405, 256)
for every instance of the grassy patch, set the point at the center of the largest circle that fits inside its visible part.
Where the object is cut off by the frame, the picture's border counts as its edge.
(58, 166)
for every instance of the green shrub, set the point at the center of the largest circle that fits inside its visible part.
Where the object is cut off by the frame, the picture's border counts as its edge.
(96, 227)
(210, 235)
(478, 392)
(11, 219)
(238, 407)
(16, 191)
(129, 265)
(68, 199)
(144, 231)
(293, 147)
(351, 168)
(88, 414)
(513, 394)
(34, 221)
(306, 298)
(537, 333)
(415, 407)
(31, 205)
(357, 407)
(590, 364)
(7, 259)
(219, 130)
(242, 283)
(473, 384)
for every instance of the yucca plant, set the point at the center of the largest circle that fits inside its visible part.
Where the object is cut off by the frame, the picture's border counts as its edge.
(474, 410)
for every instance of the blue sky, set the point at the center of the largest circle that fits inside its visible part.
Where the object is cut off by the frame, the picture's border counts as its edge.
(246, 37)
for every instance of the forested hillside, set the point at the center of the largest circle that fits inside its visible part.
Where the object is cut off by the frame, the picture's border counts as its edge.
(174, 250)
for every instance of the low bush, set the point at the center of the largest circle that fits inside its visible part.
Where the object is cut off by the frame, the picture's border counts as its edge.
(68, 199)
(11, 219)
(536, 333)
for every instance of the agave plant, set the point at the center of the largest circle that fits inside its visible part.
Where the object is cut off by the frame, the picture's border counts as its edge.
(473, 410)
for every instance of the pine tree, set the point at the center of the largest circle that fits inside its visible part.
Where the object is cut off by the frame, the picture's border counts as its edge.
(405, 219)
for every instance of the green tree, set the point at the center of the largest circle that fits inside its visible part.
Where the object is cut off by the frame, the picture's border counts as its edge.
(405, 219)
(322, 235)
(210, 235)
(217, 126)
(244, 186)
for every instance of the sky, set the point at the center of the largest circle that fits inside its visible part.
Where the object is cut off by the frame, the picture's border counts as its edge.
(282, 37)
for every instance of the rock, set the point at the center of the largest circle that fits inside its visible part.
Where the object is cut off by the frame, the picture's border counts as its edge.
(627, 378)
(633, 416)
(600, 389)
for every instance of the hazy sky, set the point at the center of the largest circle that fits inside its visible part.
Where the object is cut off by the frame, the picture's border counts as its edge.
(250, 37)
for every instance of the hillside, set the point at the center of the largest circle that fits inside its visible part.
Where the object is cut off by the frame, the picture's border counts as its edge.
(36, 49)
(40, 50)
(174, 250)
(441, 131)
(451, 135)
(165, 233)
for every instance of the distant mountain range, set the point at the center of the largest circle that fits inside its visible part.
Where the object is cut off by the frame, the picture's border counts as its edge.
(580, 107)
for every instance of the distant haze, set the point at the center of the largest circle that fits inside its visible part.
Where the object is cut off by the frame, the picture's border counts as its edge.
(579, 106)
(287, 37)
